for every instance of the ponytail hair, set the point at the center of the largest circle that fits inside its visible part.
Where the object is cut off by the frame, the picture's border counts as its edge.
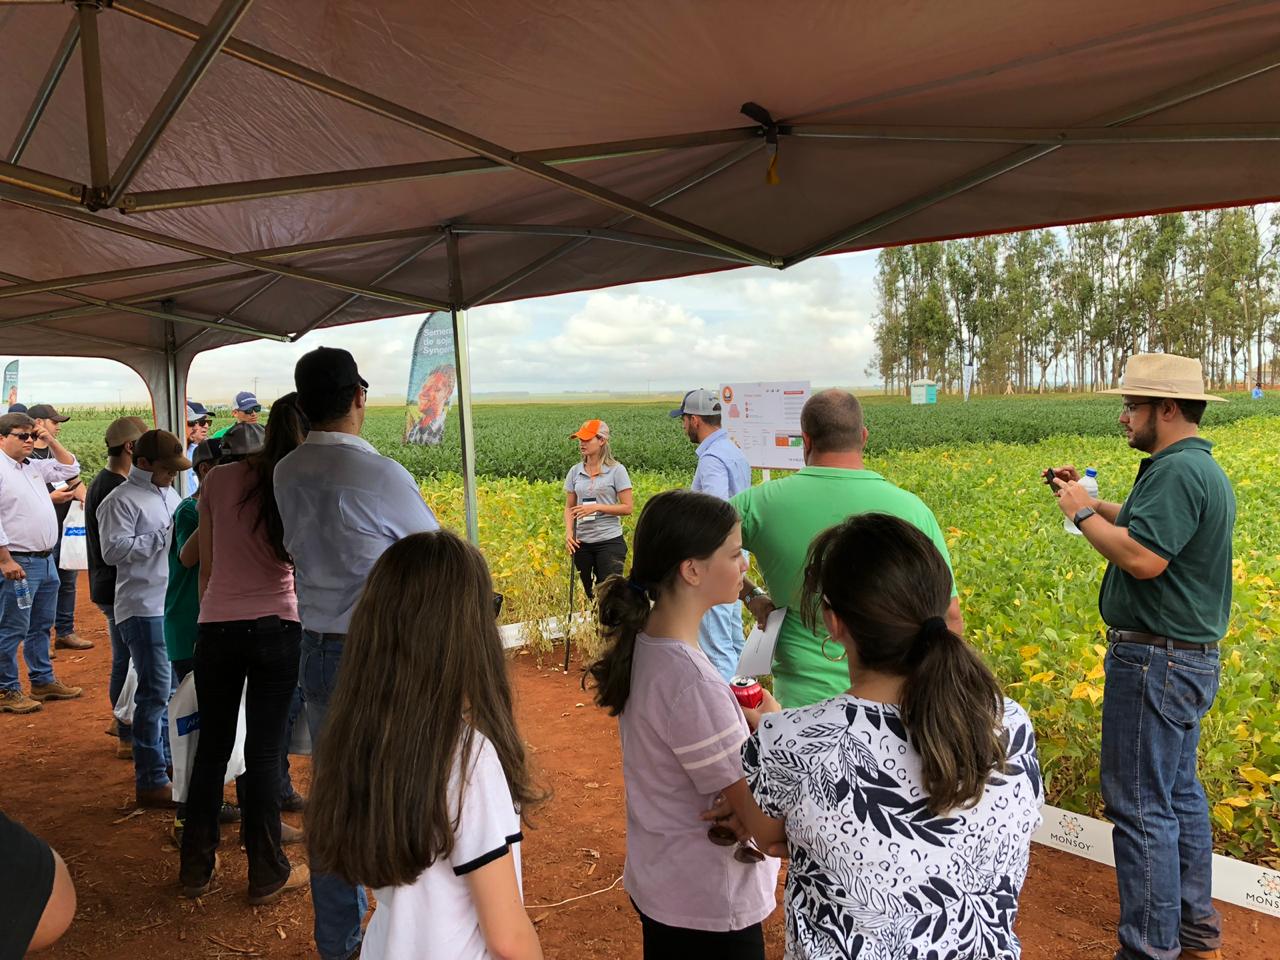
(675, 526)
(887, 582)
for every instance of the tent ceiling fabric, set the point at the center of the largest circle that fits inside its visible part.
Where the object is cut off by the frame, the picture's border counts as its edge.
(896, 123)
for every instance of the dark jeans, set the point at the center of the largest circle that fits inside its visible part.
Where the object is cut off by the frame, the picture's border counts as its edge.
(597, 561)
(1155, 699)
(662, 942)
(119, 666)
(64, 621)
(339, 907)
(265, 653)
(295, 710)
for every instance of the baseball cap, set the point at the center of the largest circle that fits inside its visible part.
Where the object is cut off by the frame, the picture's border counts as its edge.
(124, 429)
(699, 403)
(242, 439)
(592, 428)
(246, 401)
(206, 450)
(196, 411)
(45, 411)
(324, 370)
(17, 408)
(161, 448)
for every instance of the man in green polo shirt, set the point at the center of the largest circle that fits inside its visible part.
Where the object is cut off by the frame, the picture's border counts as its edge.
(781, 518)
(1166, 600)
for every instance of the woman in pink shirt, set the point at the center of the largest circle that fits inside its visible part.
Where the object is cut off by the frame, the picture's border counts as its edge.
(682, 733)
(248, 633)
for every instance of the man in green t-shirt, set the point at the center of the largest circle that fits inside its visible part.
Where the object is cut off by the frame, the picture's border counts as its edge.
(781, 518)
(1166, 600)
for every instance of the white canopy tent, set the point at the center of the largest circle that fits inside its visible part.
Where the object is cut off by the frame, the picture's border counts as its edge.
(184, 177)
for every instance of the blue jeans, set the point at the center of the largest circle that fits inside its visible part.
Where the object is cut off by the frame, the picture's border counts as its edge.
(721, 638)
(144, 636)
(28, 628)
(339, 907)
(119, 666)
(64, 621)
(1155, 699)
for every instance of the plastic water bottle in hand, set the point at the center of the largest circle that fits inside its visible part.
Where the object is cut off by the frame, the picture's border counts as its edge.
(1090, 482)
(22, 590)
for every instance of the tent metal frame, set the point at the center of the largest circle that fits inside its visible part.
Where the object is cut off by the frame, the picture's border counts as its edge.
(48, 194)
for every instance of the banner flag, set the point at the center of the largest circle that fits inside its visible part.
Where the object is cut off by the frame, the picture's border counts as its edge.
(433, 381)
(11, 383)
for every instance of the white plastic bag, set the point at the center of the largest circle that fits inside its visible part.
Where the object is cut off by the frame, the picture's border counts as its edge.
(124, 703)
(74, 552)
(184, 737)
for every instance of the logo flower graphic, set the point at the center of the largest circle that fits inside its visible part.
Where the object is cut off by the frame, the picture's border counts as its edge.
(1071, 826)
(1270, 884)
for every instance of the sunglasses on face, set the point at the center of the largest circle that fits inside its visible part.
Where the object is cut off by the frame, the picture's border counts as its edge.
(24, 437)
(257, 409)
(198, 423)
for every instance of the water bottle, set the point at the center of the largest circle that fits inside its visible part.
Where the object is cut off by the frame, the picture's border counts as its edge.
(22, 590)
(1090, 482)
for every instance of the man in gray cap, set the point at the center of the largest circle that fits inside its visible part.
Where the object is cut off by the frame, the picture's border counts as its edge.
(198, 421)
(63, 494)
(722, 472)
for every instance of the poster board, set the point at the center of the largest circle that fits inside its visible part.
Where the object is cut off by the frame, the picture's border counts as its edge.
(763, 419)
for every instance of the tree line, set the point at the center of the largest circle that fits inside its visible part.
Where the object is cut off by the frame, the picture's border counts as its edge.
(1064, 308)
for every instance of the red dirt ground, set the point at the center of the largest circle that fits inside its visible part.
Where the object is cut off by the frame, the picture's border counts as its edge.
(61, 779)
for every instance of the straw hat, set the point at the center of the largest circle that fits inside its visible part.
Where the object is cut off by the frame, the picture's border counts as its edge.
(1164, 375)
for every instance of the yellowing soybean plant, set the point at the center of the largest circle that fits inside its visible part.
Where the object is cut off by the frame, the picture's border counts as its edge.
(1029, 590)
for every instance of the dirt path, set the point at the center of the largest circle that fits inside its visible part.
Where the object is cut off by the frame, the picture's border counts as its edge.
(60, 778)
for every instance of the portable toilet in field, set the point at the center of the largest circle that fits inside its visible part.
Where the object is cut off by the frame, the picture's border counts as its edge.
(924, 391)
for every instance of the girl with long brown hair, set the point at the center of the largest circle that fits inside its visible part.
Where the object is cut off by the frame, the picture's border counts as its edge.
(697, 893)
(420, 780)
(907, 803)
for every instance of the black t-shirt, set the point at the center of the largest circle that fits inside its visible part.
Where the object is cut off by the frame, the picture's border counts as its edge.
(102, 576)
(26, 883)
(61, 509)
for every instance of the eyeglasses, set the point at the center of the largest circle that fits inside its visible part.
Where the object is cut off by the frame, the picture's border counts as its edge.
(1130, 407)
(722, 836)
(24, 437)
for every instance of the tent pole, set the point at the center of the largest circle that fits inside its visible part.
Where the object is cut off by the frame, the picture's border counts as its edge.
(50, 83)
(598, 233)
(323, 83)
(462, 364)
(244, 302)
(95, 114)
(40, 182)
(215, 34)
(240, 259)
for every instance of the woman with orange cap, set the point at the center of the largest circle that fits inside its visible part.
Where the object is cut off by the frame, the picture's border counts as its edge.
(597, 497)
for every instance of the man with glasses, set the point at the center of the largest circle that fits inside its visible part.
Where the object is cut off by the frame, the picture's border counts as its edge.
(244, 409)
(342, 504)
(1166, 600)
(28, 534)
(198, 421)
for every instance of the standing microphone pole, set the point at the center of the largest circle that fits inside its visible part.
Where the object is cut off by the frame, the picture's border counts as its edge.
(568, 620)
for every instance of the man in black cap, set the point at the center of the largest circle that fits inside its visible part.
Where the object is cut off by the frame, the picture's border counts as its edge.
(331, 479)
(63, 494)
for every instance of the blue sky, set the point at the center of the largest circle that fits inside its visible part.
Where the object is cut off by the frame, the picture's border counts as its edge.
(812, 322)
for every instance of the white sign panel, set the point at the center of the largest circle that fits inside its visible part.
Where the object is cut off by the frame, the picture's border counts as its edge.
(763, 419)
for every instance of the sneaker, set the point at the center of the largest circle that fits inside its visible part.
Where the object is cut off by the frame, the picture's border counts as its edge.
(194, 891)
(293, 803)
(15, 701)
(71, 641)
(176, 832)
(299, 877)
(229, 813)
(54, 691)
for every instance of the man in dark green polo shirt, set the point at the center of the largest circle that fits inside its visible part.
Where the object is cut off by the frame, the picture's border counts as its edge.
(780, 519)
(1166, 600)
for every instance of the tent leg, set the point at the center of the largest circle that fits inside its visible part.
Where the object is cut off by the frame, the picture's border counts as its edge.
(462, 364)
(169, 414)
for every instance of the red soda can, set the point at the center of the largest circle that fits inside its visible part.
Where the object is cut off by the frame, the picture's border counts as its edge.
(748, 691)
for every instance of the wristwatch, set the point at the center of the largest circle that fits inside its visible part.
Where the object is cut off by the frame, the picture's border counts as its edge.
(755, 594)
(1083, 514)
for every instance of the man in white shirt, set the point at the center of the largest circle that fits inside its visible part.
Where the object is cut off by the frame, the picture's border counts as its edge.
(342, 505)
(28, 534)
(135, 522)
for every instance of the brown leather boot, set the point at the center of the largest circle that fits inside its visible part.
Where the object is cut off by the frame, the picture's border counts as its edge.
(157, 798)
(299, 876)
(72, 641)
(15, 701)
(54, 691)
(1200, 955)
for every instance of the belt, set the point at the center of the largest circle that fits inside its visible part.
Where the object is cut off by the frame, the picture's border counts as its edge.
(326, 637)
(1155, 640)
(38, 554)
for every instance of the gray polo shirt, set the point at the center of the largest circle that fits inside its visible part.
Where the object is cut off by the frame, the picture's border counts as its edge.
(604, 487)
